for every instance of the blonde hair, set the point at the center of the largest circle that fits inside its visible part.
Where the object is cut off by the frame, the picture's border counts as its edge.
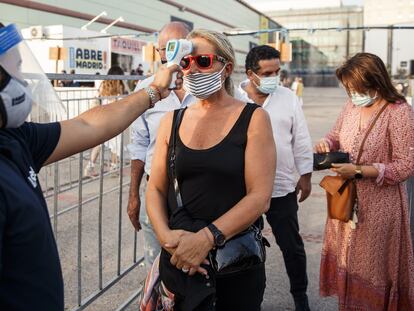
(113, 87)
(223, 48)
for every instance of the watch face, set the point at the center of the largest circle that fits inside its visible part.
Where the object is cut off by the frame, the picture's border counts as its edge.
(220, 240)
(358, 176)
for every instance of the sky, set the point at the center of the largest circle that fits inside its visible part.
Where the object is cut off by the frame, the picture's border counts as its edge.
(272, 5)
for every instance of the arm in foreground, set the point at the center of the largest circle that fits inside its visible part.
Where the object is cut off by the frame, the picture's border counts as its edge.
(99, 124)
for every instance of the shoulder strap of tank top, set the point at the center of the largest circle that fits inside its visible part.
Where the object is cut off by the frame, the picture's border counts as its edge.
(244, 119)
(176, 124)
(176, 113)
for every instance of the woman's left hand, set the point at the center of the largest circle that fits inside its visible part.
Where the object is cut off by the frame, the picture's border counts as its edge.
(345, 170)
(192, 251)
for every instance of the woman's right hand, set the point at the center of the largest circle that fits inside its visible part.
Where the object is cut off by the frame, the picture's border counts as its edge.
(322, 146)
(171, 240)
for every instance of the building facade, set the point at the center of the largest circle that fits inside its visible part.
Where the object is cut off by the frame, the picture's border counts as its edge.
(393, 46)
(140, 17)
(316, 52)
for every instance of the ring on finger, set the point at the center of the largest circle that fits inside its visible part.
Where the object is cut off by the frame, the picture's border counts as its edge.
(185, 270)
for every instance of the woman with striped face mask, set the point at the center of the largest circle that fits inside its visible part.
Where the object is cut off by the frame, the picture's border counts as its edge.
(203, 84)
(223, 146)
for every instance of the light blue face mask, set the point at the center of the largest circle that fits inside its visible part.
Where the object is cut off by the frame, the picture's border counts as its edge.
(362, 100)
(268, 84)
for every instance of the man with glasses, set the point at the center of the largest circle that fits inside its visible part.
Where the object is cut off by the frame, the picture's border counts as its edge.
(294, 155)
(143, 136)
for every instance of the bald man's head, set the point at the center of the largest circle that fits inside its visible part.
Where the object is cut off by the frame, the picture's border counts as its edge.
(171, 31)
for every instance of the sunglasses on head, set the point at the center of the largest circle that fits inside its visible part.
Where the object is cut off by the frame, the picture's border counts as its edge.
(203, 61)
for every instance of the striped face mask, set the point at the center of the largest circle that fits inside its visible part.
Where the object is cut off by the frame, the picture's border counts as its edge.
(202, 85)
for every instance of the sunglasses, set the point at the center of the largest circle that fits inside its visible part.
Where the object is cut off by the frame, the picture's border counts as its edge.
(203, 61)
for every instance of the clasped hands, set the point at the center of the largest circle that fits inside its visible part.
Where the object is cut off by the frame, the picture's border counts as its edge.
(189, 250)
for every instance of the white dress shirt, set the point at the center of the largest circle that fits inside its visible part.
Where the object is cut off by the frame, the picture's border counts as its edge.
(290, 131)
(144, 129)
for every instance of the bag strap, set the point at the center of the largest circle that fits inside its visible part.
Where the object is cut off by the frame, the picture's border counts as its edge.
(368, 131)
(172, 159)
(172, 163)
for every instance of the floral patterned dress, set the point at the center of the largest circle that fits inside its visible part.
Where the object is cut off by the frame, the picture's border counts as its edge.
(371, 267)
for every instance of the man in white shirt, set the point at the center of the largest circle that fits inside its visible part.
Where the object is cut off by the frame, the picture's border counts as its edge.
(143, 136)
(294, 155)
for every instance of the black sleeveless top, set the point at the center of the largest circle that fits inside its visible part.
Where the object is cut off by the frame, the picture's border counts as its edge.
(211, 182)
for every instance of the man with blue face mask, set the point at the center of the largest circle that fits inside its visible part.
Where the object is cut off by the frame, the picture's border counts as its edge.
(294, 155)
(30, 272)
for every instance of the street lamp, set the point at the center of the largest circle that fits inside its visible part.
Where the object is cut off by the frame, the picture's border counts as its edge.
(85, 27)
(119, 19)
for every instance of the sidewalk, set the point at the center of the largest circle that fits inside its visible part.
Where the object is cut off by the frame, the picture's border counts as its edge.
(321, 107)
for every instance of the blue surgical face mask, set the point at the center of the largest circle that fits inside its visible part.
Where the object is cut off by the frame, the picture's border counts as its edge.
(362, 100)
(267, 84)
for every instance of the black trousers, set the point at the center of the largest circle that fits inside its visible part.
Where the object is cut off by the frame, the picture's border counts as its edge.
(241, 291)
(282, 216)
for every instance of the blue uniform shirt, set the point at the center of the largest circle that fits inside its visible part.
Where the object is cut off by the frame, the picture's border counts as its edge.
(30, 272)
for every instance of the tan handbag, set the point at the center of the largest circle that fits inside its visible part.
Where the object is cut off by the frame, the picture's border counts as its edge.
(340, 196)
(341, 193)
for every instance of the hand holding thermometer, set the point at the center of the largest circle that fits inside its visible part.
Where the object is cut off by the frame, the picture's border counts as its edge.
(175, 51)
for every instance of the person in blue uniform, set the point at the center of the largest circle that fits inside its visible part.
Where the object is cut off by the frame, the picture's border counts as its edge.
(30, 271)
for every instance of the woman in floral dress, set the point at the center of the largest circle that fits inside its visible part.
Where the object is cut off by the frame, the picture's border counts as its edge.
(371, 267)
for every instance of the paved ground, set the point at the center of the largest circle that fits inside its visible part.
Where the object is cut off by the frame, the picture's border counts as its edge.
(321, 106)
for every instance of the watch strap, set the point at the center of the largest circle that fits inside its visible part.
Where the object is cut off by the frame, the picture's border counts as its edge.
(358, 172)
(215, 231)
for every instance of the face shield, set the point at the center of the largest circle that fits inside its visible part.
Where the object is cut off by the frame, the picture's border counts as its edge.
(19, 62)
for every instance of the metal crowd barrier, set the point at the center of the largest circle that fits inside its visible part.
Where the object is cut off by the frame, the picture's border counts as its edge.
(97, 244)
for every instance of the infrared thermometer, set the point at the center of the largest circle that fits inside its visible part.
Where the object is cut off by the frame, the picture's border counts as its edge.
(175, 51)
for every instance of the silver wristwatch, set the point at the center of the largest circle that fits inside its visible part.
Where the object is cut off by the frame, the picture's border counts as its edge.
(153, 95)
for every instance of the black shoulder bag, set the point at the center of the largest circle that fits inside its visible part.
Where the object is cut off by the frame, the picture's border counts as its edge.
(243, 251)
